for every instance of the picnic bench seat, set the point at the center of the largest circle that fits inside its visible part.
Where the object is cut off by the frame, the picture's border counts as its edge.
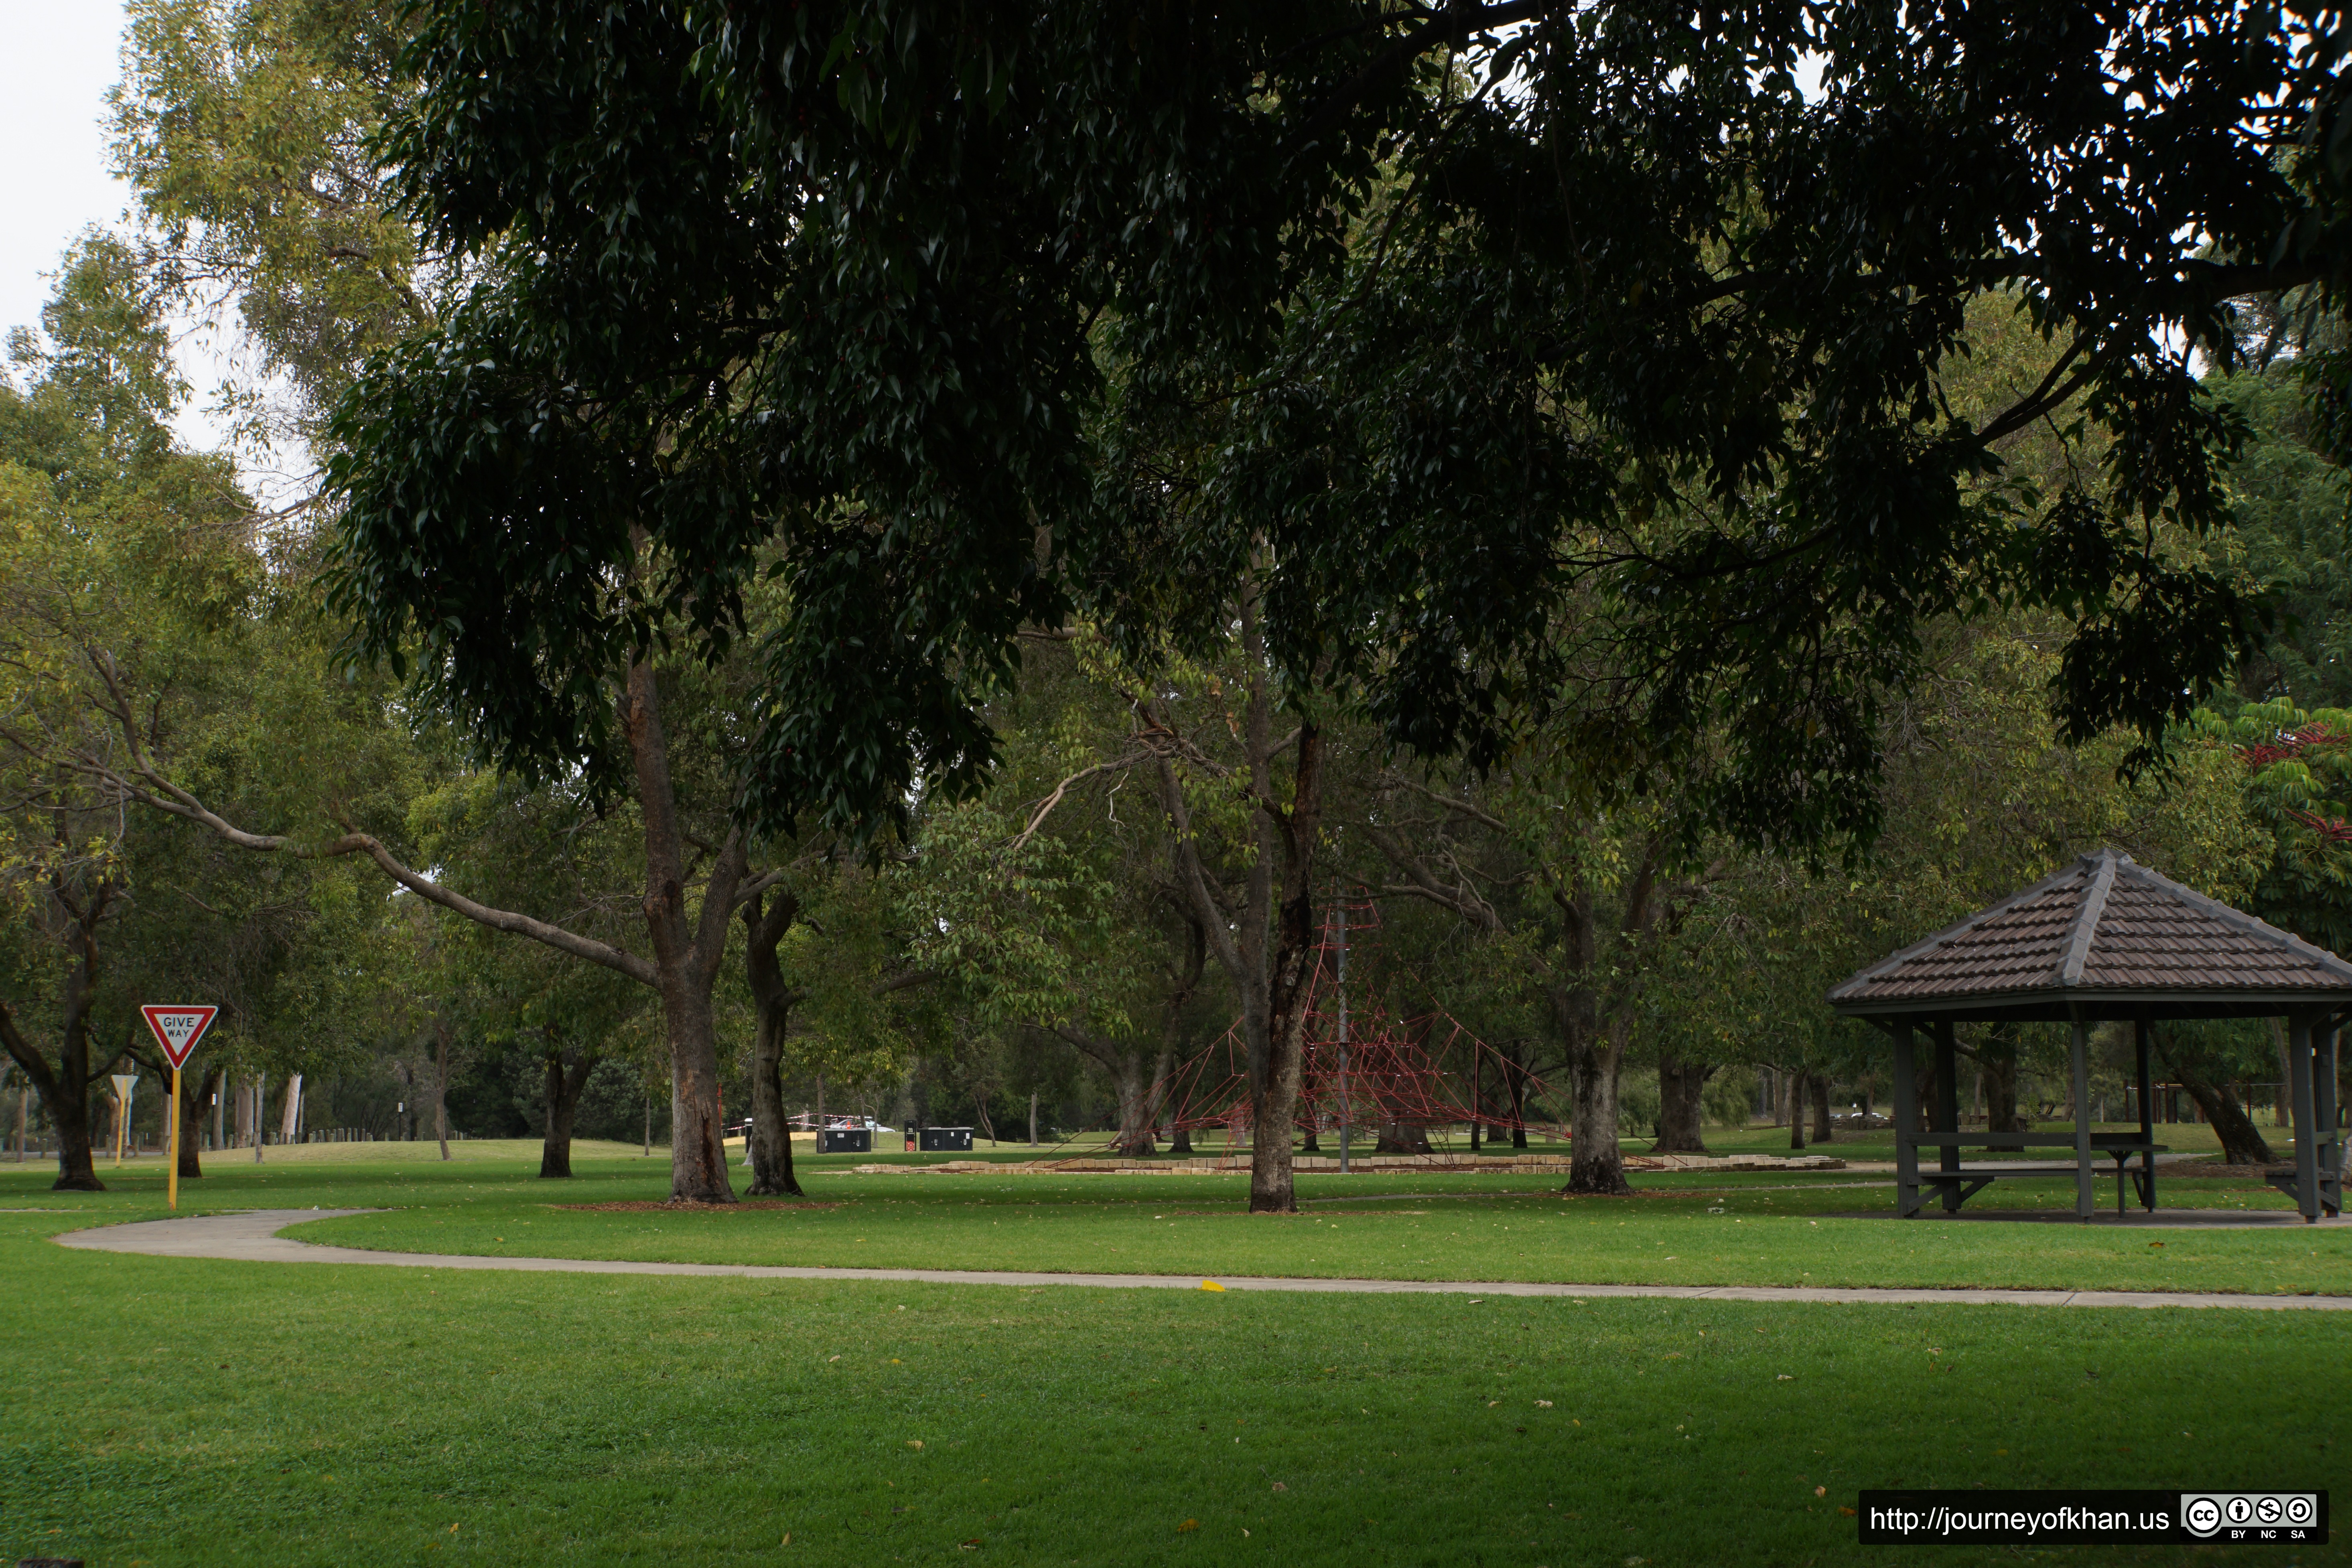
(1959, 1181)
(2330, 1164)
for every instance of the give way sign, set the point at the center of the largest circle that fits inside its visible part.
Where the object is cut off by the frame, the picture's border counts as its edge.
(178, 1028)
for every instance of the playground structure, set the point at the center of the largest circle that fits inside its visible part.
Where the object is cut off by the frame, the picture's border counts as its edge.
(1362, 1066)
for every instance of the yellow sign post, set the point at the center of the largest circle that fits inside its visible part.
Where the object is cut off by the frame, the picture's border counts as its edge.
(172, 1182)
(177, 1030)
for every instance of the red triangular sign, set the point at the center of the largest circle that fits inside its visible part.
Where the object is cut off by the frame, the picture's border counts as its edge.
(177, 1029)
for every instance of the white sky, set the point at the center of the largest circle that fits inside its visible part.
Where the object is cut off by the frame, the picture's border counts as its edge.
(60, 57)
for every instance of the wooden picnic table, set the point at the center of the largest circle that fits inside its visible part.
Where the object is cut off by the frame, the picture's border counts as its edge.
(1958, 1181)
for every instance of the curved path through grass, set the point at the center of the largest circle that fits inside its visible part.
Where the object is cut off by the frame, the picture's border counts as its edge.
(253, 1237)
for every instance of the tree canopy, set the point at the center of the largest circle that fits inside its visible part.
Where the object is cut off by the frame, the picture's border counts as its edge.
(1462, 311)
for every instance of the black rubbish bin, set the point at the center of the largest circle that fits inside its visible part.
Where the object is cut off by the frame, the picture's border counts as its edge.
(946, 1140)
(845, 1140)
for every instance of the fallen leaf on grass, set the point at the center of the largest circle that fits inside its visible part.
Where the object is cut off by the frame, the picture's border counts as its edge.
(1846, 1510)
(1188, 1526)
(1543, 1404)
(1280, 1488)
(972, 1545)
(914, 1442)
(1211, 1285)
(1784, 1377)
(1821, 1492)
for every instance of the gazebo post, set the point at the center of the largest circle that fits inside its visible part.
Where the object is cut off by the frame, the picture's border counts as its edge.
(1948, 1110)
(1906, 1124)
(2140, 1033)
(2307, 1141)
(2323, 1072)
(2082, 1121)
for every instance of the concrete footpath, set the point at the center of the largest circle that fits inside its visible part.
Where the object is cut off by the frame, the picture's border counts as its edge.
(252, 1237)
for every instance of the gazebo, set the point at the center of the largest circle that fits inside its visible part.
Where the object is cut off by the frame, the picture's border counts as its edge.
(2104, 939)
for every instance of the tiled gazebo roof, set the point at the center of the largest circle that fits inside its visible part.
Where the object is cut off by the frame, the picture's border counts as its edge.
(2103, 929)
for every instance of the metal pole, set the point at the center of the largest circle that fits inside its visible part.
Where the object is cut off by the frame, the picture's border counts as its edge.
(2306, 1128)
(2331, 1152)
(2082, 1121)
(1906, 1124)
(1947, 1108)
(2140, 1033)
(1341, 908)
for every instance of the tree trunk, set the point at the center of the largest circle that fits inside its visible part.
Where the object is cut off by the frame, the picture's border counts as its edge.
(1794, 1082)
(1273, 1084)
(1401, 1138)
(2282, 1104)
(1924, 1078)
(1596, 1164)
(563, 1081)
(65, 1087)
(1822, 1127)
(1185, 982)
(2241, 1143)
(686, 954)
(1997, 1062)
(1033, 1118)
(1681, 1110)
(1272, 986)
(1136, 1140)
(192, 1118)
(441, 1082)
(770, 1137)
(1161, 1070)
(1514, 1090)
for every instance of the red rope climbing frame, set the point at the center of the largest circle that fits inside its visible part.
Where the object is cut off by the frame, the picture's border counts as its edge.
(1417, 1073)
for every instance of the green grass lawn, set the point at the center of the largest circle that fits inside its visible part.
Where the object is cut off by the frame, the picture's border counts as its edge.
(186, 1411)
(1684, 1229)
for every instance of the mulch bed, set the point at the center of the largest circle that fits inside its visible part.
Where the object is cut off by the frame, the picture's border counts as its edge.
(652, 1207)
(649, 1207)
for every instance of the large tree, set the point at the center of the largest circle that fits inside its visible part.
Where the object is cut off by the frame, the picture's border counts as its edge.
(126, 561)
